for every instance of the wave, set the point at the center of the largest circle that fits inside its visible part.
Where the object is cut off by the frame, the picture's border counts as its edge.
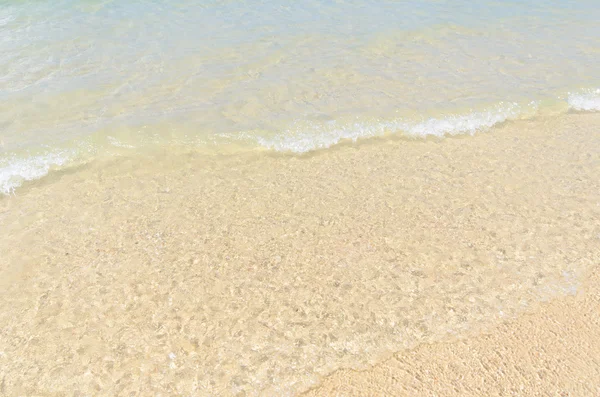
(470, 123)
(19, 170)
(588, 100)
(304, 139)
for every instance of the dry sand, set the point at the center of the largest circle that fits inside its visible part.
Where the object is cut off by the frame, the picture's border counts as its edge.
(262, 274)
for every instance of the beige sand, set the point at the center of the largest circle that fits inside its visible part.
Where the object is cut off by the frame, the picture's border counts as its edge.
(553, 352)
(261, 274)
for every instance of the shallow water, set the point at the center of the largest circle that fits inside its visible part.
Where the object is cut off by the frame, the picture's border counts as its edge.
(82, 80)
(259, 274)
(190, 204)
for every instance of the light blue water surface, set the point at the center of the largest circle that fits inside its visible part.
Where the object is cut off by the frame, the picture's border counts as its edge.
(80, 78)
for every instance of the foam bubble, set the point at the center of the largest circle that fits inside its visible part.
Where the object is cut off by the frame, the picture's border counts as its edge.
(585, 101)
(19, 170)
(306, 138)
(466, 124)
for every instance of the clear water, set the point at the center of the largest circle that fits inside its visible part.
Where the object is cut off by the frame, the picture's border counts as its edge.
(218, 275)
(81, 79)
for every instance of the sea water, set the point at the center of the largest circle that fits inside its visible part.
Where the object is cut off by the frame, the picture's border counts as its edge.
(86, 79)
(239, 198)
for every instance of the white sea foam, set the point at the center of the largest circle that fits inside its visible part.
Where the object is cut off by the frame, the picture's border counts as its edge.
(18, 170)
(585, 101)
(468, 123)
(303, 139)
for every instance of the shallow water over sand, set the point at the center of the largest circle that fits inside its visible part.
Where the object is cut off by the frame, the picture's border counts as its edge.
(259, 274)
(85, 80)
(241, 197)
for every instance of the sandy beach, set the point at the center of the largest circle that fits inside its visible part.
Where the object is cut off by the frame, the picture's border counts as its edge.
(449, 266)
(551, 352)
(315, 198)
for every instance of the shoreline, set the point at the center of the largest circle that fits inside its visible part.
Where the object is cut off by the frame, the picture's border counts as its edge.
(262, 274)
(552, 351)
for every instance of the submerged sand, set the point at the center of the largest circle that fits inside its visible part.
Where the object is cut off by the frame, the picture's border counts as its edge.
(261, 274)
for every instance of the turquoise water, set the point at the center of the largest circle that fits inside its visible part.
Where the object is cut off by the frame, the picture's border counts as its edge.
(85, 79)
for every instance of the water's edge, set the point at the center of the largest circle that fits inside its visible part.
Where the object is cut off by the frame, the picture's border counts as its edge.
(16, 169)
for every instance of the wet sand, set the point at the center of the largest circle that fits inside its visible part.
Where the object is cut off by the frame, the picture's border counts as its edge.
(552, 352)
(261, 274)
